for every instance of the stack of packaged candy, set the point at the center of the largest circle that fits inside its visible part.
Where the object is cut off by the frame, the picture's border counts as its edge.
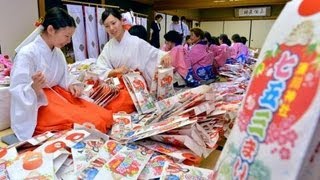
(166, 143)
(84, 153)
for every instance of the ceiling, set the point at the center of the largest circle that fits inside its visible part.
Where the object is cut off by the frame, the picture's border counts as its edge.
(204, 4)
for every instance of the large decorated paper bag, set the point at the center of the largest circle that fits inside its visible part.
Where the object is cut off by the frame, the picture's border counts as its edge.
(276, 135)
(139, 93)
(162, 83)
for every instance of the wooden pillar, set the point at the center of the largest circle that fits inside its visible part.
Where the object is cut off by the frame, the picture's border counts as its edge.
(41, 8)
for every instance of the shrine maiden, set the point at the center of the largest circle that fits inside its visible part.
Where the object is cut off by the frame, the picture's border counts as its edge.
(124, 51)
(43, 93)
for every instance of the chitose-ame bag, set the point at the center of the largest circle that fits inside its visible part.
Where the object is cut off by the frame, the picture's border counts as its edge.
(139, 93)
(277, 132)
(162, 83)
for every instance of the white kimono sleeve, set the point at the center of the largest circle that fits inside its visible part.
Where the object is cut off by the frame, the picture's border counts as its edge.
(104, 65)
(24, 101)
(67, 78)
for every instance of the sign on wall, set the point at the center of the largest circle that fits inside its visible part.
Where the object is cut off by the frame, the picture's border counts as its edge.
(253, 11)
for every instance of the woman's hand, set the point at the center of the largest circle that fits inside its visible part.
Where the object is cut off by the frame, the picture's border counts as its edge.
(118, 71)
(122, 70)
(76, 89)
(39, 81)
(166, 60)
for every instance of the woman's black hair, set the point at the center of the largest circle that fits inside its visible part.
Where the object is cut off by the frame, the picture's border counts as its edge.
(111, 11)
(58, 18)
(225, 40)
(243, 40)
(173, 36)
(215, 40)
(236, 38)
(207, 35)
(140, 31)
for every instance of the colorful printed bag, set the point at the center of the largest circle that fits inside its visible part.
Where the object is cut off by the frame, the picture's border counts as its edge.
(276, 135)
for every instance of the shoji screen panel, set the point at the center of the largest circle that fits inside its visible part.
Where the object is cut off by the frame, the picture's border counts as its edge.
(215, 28)
(237, 27)
(259, 31)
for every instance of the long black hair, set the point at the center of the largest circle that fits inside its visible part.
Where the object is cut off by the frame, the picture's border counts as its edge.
(111, 11)
(225, 40)
(208, 36)
(139, 31)
(243, 40)
(236, 38)
(58, 18)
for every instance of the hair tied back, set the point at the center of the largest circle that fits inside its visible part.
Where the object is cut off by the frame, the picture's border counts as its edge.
(39, 22)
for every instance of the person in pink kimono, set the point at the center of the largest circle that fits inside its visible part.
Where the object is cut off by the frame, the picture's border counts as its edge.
(240, 51)
(187, 45)
(245, 49)
(177, 52)
(201, 60)
(225, 44)
(213, 47)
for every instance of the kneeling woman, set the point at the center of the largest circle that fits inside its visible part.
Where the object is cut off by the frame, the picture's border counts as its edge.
(44, 96)
(177, 53)
(201, 60)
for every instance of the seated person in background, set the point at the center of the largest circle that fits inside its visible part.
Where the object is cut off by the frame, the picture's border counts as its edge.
(187, 45)
(43, 95)
(124, 52)
(245, 49)
(215, 41)
(225, 51)
(219, 53)
(139, 31)
(240, 51)
(224, 40)
(201, 60)
(208, 38)
(173, 42)
(244, 40)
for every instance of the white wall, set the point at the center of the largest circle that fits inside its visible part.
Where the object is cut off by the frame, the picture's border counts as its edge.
(237, 27)
(162, 31)
(17, 19)
(259, 29)
(169, 21)
(215, 28)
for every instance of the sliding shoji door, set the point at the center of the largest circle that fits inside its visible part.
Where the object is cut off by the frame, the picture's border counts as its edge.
(215, 28)
(259, 31)
(237, 27)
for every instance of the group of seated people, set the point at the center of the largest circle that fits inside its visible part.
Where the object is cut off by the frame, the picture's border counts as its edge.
(198, 59)
(45, 97)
